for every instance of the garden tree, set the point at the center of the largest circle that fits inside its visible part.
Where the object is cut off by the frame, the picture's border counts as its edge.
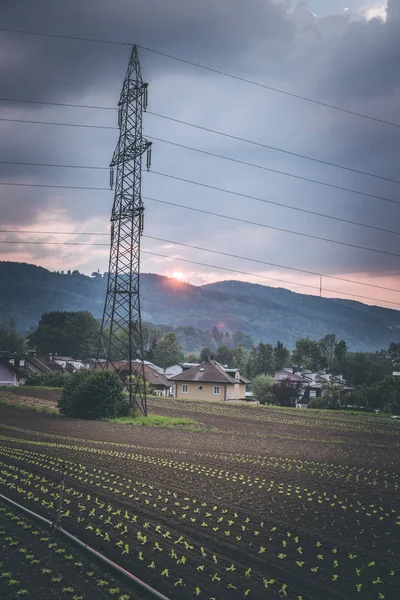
(333, 352)
(10, 339)
(93, 395)
(263, 359)
(307, 354)
(327, 346)
(383, 395)
(358, 397)
(340, 355)
(394, 355)
(206, 354)
(240, 358)
(262, 388)
(224, 356)
(168, 351)
(333, 399)
(150, 336)
(365, 367)
(192, 358)
(281, 356)
(387, 393)
(286, 393)
(140, 385)
(72, 334)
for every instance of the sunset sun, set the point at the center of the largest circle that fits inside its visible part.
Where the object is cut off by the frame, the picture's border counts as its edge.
(178, 275)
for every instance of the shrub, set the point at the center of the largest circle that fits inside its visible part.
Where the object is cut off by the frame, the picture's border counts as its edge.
(93, 395)
(261, 387)
(286, 393)
(318, 403)
(333, 399)
(50, 380)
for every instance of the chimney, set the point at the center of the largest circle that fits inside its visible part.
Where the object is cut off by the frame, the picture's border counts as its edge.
(294, 370)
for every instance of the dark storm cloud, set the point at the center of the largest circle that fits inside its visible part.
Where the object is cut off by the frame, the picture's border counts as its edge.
(226, 29)
(338, 58)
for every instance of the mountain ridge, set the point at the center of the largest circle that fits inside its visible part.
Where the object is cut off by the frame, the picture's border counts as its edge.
(265, 313)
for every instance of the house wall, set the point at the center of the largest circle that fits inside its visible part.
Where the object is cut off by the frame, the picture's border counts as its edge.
(237, 393)
(207, 393)
(7, 377)
(227, 391)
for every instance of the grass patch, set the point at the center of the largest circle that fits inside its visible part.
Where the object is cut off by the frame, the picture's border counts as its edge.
(12, 388)
(159, 421)
(30, 407)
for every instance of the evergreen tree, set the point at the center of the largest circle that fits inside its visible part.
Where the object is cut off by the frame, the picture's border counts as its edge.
(168, 351)
(281, 355)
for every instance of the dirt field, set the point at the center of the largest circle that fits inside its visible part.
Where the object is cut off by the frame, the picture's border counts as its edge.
(264, 503)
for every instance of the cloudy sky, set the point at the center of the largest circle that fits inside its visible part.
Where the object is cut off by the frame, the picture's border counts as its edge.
(341, 52)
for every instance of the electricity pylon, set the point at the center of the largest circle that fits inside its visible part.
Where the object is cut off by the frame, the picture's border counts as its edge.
(121, 341)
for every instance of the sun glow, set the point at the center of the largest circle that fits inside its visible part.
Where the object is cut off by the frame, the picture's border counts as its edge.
(178, 275)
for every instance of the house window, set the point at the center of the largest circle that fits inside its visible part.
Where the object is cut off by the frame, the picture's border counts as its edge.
(313, 393)
(185, 388)
(216, 390)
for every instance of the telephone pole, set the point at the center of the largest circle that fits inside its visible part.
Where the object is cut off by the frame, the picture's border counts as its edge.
(121, 341)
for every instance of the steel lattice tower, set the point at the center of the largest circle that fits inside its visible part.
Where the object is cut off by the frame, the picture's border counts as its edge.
(121, 340)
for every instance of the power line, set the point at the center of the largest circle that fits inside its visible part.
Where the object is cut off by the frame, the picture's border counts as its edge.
(206, 212)
(150, 237)
(274, 89)
(274, 148)
(285, 173)
(66, 37)
(263, 262)
(193, 125)
(81, 125)
(282, 229)
(279, 204)
(206, 68)
(206, 152)
(204, 265)
(263, 277)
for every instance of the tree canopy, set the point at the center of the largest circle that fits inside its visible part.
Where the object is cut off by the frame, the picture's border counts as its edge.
(72, 334)
(168, 351)
(10, 339)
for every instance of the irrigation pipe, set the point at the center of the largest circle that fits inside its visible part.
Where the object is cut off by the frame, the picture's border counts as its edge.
(90, 550)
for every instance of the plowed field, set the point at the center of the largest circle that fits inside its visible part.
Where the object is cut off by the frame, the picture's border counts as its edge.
(263, 504)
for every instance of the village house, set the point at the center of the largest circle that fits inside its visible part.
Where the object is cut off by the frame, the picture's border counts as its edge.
(23, 366)
(179, 368)
(8, 373)
(312, 384)
(156, 379)
(209, 381)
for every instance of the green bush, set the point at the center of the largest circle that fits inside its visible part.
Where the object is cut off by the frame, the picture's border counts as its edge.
(318, 403)
(93, 395)
(51, 380)
(262, 389)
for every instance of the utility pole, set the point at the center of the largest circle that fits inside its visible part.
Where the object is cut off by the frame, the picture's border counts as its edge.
(121, 340)
(320, 287)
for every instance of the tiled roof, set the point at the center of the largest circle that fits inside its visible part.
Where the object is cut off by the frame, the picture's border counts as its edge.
(152, 376)
(209, 372)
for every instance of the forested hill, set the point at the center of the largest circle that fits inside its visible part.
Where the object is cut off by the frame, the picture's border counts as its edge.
(265, 313)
